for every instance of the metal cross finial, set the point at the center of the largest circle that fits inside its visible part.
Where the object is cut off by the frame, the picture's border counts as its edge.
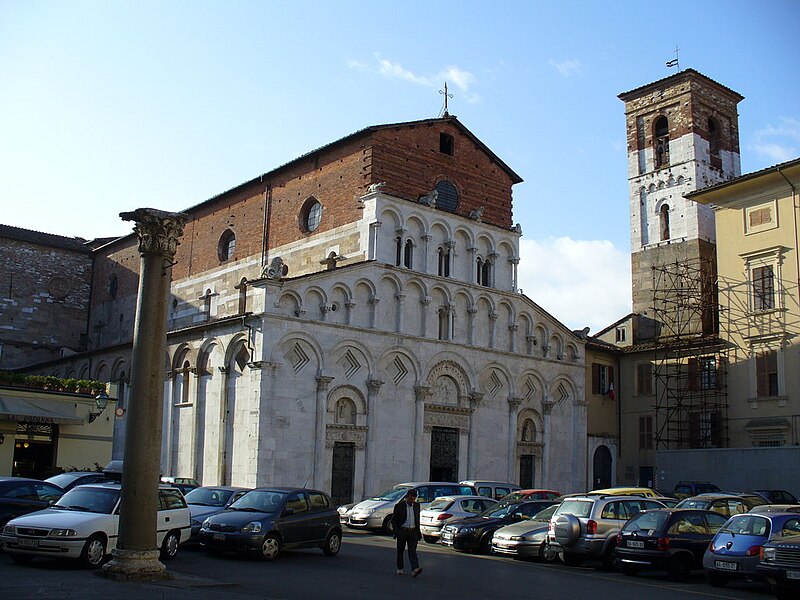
(446, 96)
(674, 62)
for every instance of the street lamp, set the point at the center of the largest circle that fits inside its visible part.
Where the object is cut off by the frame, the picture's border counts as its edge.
(100, 401)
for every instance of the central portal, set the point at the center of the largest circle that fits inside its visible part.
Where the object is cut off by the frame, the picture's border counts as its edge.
(444, 454)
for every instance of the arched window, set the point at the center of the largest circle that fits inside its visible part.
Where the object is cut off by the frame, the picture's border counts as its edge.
(714, 143)
(444, 323)
(185, 386)
(398, 251)
(408, 255)
(663, 214)
(242, 287)
(444, 261)
(311, 215)
(661, 129)
(484, 272)
(226, 246)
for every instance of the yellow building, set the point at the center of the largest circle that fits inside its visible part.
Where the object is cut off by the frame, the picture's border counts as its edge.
(758, 267)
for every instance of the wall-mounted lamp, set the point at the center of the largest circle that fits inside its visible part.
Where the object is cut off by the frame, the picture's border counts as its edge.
(100, 401)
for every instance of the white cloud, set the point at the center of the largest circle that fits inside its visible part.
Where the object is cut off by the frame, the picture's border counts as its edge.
(580, 282)
(453, 75)
(778, 143)
(566, 67)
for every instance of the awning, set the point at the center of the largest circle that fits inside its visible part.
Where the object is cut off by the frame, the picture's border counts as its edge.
(38, 410)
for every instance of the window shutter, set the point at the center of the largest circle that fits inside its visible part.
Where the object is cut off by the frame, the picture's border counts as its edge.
(595, 378)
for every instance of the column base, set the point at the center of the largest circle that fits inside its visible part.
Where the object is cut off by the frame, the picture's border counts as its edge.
(135, 565)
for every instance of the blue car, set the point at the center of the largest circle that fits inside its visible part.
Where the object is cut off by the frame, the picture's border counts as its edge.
(734, 551)
(210, 500)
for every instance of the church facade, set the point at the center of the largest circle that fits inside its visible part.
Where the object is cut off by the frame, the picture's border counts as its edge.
(350, 320)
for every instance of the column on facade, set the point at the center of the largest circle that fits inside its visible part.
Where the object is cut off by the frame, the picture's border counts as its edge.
(547, 408)
(373, 239)
(399, 321)
(195, 396)
(472, 260)
(493, 262)
(222, 437)
(514, 273)
(425, 302)
(320, 411)
(514, 403)
(373, 389)
(471, 312)
(426, 238)
(475, 399)
(451, 320)
(421, 394)
(350, 305)
(492, 327)
(373, 312)
(170, 392)
(512, 336)
(580, 447)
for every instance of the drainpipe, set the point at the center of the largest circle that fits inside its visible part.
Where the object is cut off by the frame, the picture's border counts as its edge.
(267, 215)
(795, 208)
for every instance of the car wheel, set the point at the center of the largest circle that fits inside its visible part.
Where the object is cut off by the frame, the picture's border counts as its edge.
(21, 559)
(333, 543)
(680, 567)
(547, 553)
(609, 558)
(388, 526)
(94, 551)
(485, 545)
(431, 539)
(572, 560)
(628, 570)
(270, 547)
(169, 547)
(716, 579)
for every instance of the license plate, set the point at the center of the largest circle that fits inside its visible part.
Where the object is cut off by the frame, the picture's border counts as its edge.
(635, 544)
(502, 545)
(218, 537)
(726, 566)
(28, 543)
(792, 574)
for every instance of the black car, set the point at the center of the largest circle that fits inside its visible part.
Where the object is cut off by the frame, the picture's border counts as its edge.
(780, 566)
(267, 520)
(474, 534)
(777, 496)
(19, 496)
(673, 539)
(67, 481)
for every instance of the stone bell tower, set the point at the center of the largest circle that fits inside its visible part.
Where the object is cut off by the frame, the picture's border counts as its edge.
(683, 135)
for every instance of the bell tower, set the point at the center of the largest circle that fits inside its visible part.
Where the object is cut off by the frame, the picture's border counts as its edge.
(683, 135)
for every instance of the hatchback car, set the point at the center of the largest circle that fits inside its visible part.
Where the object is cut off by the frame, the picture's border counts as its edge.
(474, 534)
(673, 539)
(687, 489)
(735, 549)
(67, 481)
(20, 495)
(445, 509)
(491, 489)
(268, 520)
(84, 524)
(724, 504)
(209, 500)
(527, 538)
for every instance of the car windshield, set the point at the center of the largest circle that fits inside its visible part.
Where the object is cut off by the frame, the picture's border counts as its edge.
(259, 501)
(440, 504)
(574, 507)
(544, 515)
(646, 521)
(64, 479)
(498, 512)
(394, 493)
(706, 488)
(694, 503)
(89, 499)
(208, 496)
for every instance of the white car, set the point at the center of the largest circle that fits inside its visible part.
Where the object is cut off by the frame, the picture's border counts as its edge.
(446, 508)
(84, 524)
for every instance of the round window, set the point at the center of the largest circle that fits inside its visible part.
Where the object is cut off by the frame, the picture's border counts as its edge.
(313, 215)
(447, 198)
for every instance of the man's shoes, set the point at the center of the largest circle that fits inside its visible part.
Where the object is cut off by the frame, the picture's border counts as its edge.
(400, 571)
(417, 571)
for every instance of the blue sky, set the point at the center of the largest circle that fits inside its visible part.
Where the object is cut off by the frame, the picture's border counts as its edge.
(109, 106)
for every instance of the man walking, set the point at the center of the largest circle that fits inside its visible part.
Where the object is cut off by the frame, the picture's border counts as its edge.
(405, 520)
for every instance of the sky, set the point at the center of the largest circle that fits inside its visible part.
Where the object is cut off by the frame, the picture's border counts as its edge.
(110, 106)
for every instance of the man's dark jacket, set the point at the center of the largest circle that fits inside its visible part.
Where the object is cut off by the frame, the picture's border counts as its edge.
(399, 516)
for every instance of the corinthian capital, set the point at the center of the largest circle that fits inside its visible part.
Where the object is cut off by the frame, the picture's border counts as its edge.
(158, 231)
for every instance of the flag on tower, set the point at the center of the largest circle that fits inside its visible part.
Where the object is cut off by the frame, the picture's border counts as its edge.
(672, 63)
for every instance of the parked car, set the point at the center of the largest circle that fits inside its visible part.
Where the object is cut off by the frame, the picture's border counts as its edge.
(672, 539)
(67, 481)
(84, 524)
(492, 489)
(587, 526)
(724, 504)
(667, 501)
(474, 534)
(687, 489)
(777, 496)
(184, 484)
(445, 509)
(268, 520)
(527, 538)
(531, 494)
(206, 501)
(376, 512)
(780, 566)
(768, 508)
(735, 549)
(625, 491)
(751, 499)
(20, 495)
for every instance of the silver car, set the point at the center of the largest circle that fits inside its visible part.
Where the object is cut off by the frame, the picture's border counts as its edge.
(446, 508)
(527, 538)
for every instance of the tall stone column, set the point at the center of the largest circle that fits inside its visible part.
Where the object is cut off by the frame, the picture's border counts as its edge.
(547, 408)
(475, 399)
(373, 388)
(323, 381)
(421, 394)
(136, 555)
(513, 410)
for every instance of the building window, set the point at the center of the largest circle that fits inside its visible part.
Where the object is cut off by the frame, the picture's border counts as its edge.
(185, 382)
(311, 215)
(621, 334)
(767, 438)
(444, 261)
(483, 271)
(645, 433)
(207, 304)
(763, 288)
(227, 245)
(398, 251)
(662, 142)
(446, 143)
(705, 430)
(663, 216)
(767, 374)
(761, 217)
(602, 378)
(644, 379)
(448, 198)
(708, 373)
(408, 255)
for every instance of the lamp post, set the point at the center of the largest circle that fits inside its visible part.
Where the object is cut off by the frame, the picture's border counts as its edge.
(136, 555)
(100, 402)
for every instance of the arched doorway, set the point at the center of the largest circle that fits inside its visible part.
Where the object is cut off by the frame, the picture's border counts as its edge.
(601, 468)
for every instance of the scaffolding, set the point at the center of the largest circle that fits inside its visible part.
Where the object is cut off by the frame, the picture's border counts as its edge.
(690, 360)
